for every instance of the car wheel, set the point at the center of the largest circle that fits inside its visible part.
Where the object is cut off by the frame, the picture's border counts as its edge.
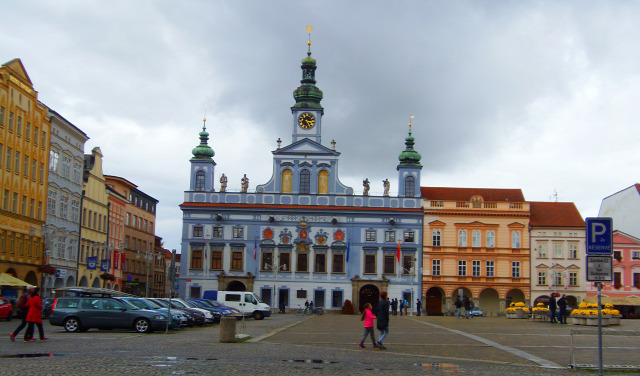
(142, 326)
(72, 325)
(258, 315)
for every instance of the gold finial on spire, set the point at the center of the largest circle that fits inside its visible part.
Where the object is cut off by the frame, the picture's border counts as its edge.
(204, 120)
(410, 120)
(309, 29)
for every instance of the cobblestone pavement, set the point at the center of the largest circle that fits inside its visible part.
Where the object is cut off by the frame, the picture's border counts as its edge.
(288, 344)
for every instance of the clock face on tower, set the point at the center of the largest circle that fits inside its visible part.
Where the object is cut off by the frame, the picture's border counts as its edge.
(306, 120)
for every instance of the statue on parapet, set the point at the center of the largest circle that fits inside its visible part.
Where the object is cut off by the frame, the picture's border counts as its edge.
(365, 184)
(245, 183)
(387, 185)
(223, 183)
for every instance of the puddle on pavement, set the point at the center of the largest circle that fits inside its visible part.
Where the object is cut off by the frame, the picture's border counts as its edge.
(44, 355)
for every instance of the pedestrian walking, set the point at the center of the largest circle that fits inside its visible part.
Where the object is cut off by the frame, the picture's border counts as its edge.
(282, 307)
(467, 307)
(552, 308)
(368, 317)
(34, 316)
(22, 313)
(562, 313)
(405, 305)
(458, 304)
(401, 306)
(383, 319)
(419, 306)
(394, 307)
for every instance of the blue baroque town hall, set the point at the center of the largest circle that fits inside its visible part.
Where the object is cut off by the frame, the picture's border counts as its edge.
(303, 235)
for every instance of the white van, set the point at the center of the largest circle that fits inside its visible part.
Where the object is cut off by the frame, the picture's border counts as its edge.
(246, 302)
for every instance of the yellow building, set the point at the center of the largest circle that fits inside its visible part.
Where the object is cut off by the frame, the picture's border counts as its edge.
(24, 151)
(94, 222)
(476, 245)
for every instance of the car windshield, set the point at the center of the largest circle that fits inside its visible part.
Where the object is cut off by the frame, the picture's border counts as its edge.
(204, 303)
(161, 303)
(190, 304)
(151, 303)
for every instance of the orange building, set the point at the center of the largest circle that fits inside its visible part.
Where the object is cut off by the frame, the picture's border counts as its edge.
(24, 153)
(476, 244)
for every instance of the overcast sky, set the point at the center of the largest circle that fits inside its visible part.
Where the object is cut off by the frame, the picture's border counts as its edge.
(537, 95)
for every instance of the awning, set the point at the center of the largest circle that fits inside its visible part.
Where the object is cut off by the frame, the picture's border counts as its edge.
(615, 300)
(9, 280)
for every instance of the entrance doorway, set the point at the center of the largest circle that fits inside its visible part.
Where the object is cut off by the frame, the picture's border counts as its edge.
(283, 298)
(318, 298)
(236, 286)
(433, 302)
(368, 294)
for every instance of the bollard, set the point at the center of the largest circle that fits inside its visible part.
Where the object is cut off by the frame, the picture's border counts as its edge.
(228, 329)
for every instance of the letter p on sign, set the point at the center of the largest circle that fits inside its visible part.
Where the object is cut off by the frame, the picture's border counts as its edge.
(599, 236)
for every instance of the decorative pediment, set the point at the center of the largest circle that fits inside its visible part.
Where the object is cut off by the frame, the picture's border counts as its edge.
(305, 147)
(437, 223)
(516, 225)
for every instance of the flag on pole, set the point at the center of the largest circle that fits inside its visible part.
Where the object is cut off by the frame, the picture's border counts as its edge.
(398, 252)
(255, 249)
(348, 249)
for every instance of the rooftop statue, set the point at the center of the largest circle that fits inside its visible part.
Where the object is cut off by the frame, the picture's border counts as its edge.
(365, 184)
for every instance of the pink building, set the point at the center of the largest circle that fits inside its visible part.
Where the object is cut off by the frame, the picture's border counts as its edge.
(624, 291)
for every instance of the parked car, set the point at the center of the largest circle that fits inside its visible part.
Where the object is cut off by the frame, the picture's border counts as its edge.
(477, 311)
(179, 303)
(234, 311)
(6, 309)
(82, 313)
(222, 312)
(178, 318)
(197, 316)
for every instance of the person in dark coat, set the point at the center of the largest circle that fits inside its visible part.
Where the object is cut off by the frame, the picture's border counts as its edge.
(419, 307)
(383, 319)
(467, 307)
(394, 307)
(552, 308)
(562, 305)
(34, 316)
(458, 304)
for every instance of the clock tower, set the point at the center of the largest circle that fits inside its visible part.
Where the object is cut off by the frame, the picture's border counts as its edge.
(307, 112)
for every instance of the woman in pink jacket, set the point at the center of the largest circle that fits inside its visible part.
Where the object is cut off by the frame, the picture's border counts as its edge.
(34, 316)
(368, 317)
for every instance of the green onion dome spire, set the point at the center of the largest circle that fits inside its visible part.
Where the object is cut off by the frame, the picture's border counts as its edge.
(203, 152)
(410, 157)
(307, 95)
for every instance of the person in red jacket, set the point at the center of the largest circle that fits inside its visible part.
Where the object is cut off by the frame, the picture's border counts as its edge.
(34, 316)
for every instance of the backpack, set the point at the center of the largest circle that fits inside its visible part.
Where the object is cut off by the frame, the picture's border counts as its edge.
(22, 302)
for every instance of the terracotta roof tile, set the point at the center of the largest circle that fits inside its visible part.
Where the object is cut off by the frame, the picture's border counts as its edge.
(465, 194)
(555, 214)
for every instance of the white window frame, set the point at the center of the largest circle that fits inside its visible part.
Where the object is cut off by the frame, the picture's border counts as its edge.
(476, 239)
(462, 238)
(490, 266)
(491, 239)
(476, 268)
(515, 269)
(436, 267)
(462, 268)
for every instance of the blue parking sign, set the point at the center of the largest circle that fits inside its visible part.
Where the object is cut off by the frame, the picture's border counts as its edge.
(599, 236)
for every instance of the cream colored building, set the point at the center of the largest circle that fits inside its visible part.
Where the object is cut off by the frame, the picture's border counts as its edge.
(94, 222)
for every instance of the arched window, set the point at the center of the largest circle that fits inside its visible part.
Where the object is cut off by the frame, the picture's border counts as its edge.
(491, 239)
(462, 238)
(305, 182)
(286, 181)
(323, 182)
(436, 238)
(200, 180)
(410, 186)
(515, 239)
(476, 238)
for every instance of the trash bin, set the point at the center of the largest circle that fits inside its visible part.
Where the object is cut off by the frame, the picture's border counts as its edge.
(227, 329)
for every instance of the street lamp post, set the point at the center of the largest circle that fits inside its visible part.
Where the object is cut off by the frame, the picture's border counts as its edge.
(275, 268)
(147, 257)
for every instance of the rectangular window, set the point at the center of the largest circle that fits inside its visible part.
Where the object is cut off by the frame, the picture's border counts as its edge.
(369, 263)
(217, 232)
(370, 235)
(435, 267)
(302, 262)
(34, 169)
(436, 238)
(1, 154)
(389, 264)
(475, 268)
(491, 268)
(617, 255)
(44, 138)
(617, 278)
(10, 121)
(197, 231)
(409, 237)
(196, 258)
(284, 261)
(216, 259)
(636, 279)
(8, 158)
(573, 251)
(336, 299)
(32, 208)
(515, 269)
(53, 160)
(635, 255)
(573, 279)
(236, 260)
(390, 236)
(558, 279)
(337, 264)
(5, 199)
(238, 232)
(462, 268)
(64, 204)
(24, 205)
(407, 265)
(2, 116)
(25, 166)
(75, 211)
(542, 278)
(266, 263)
(542, 250)
(41, 173)
(557, 250)
(462, 238)
(17, 162)
(19, 126)
(320, 265)
(27, 131)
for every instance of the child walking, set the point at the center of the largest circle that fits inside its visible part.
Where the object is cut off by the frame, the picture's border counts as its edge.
(368, 317)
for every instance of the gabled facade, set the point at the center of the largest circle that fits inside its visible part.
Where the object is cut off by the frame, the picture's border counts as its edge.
(623, 207)
(557, 252)
(303, 235)
(476, 245)
(24, 152)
